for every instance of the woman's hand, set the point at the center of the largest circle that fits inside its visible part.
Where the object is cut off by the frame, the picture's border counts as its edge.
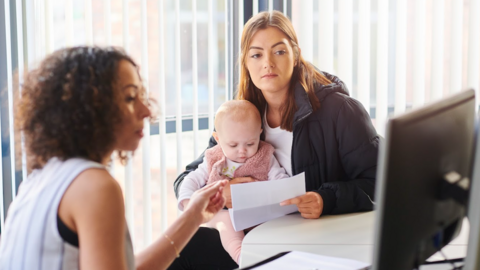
(310, 204)
(201, 208)
(207, 201)
(226, 190)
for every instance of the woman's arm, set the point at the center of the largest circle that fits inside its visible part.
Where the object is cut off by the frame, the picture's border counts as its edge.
(203, 205)
(358, 151)
(192, 182)
(194, 165)
(92, 206)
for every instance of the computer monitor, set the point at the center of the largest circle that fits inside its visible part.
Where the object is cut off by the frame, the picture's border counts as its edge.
(422, 148)
(472, 261)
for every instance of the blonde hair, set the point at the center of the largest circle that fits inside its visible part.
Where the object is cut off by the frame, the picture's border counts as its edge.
(303, 72)
(238, 111)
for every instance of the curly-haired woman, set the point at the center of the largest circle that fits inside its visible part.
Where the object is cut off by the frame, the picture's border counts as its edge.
(76, 108)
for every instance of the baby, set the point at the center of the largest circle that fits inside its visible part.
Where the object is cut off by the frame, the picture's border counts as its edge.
(239, 153)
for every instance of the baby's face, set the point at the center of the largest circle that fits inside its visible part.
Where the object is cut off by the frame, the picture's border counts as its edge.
(239, 140)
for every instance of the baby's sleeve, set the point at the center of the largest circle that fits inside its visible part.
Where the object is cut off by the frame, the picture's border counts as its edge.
(193, 182)
(276, 171)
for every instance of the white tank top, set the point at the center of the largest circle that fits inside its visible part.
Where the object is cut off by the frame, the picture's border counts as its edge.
(30, 239)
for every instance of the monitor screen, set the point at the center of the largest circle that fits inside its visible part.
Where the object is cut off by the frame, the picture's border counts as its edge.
(472, 261)
(421, 148)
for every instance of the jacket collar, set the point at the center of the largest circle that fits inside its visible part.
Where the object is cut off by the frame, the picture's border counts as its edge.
(304, 107)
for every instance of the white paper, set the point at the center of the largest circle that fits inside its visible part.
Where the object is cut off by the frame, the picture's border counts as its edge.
(303, 260)
(258, 202)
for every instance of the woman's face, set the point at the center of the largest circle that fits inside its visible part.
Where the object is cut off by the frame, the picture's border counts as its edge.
(270, 61)
(130, 130)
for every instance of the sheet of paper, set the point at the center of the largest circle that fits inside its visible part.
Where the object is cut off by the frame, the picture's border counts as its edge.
(304, 260)
(258, 202)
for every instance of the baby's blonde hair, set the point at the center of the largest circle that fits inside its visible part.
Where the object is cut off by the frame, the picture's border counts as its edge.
(237, 111)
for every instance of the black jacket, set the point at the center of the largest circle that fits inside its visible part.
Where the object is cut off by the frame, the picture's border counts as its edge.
(336, 146)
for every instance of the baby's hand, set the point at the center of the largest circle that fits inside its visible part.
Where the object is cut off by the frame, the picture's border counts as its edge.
(226, 189)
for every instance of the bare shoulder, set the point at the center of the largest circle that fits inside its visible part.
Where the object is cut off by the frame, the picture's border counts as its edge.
(94, 206)
(96, 180)
(95, 184)
(92, 192)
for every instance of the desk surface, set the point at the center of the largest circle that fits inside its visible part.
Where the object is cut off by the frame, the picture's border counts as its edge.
(348, 236)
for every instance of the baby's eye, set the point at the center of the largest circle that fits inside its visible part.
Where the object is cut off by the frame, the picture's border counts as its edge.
(233, 145)
(250, 144)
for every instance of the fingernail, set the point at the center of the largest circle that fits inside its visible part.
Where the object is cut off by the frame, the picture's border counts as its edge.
(282, 203)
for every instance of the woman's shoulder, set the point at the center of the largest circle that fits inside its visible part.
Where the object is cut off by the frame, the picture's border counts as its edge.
(336, 87)
(331, 98)
(336, 103)
(98, 185)
(104, 195)
(98, 180)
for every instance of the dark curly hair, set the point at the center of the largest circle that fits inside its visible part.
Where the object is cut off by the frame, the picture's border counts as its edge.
(69, 106)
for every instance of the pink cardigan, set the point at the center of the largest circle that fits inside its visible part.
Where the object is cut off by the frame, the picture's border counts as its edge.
(256, 167)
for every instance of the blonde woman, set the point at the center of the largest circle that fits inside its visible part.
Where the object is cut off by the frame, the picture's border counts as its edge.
(310, 119)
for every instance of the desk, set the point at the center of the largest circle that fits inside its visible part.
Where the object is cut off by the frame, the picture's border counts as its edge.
(348, 236)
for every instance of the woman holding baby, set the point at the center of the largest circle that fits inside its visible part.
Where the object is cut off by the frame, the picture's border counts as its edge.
(313, 124)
